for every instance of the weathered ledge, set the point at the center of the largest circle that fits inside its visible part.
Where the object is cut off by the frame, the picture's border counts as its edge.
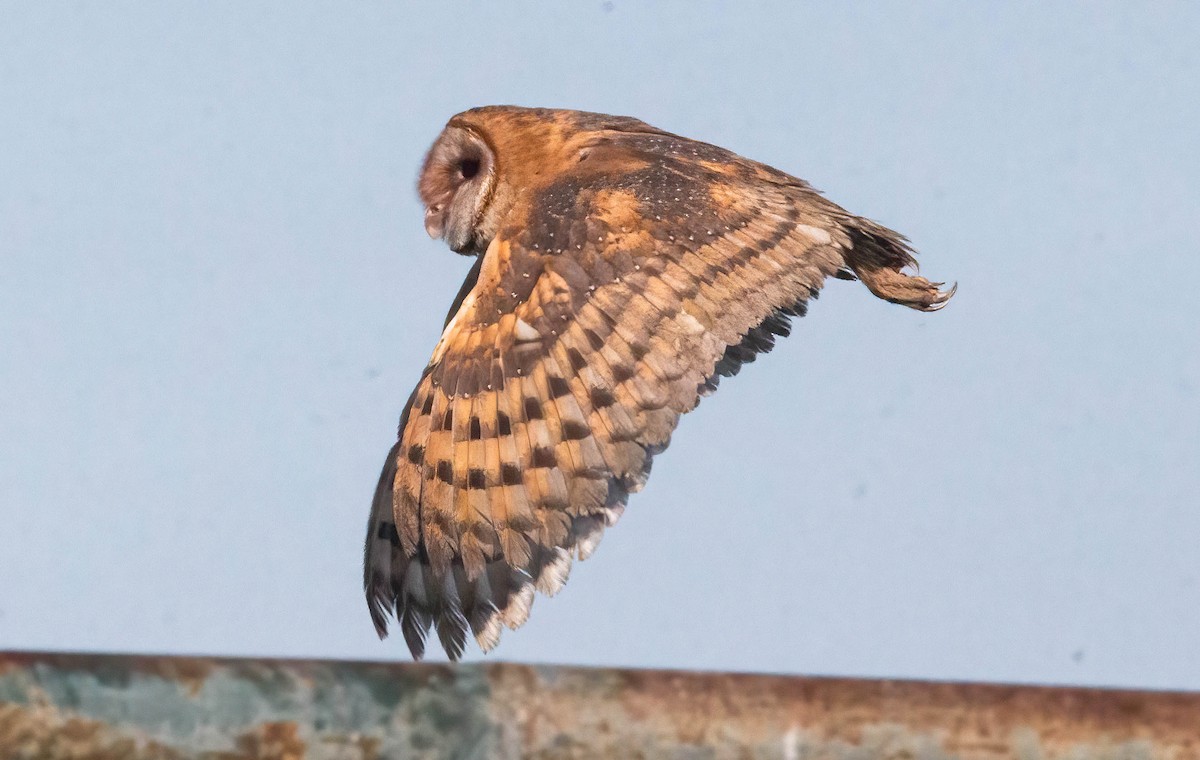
(88, 707)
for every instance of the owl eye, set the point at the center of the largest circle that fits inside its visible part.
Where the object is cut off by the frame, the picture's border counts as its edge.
(468, 168)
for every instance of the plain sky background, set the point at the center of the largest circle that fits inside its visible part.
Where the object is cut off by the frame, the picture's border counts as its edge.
(216, 294)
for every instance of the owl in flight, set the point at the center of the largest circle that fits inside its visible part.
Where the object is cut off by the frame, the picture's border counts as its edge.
(620, 271)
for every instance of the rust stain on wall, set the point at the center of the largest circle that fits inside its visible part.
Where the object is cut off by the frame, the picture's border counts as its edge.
(772, 716)
(44, 732)
(96, 707)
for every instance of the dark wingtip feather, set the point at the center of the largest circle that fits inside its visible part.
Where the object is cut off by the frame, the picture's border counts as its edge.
(379, 549)
(759, 339)
(452, 632)
(380, 604)
(414, 624)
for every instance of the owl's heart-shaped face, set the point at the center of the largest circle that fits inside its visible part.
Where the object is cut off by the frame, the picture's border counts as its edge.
(621, 272)
(456, 186)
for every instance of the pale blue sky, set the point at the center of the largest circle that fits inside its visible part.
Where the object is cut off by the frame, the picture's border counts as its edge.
(216, 293)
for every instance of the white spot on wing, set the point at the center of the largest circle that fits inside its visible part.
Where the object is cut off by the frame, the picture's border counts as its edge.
(690, 324)
(526, 332)
(815, 234)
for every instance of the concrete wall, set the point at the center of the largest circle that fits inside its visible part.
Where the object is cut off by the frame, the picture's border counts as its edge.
(88, 707)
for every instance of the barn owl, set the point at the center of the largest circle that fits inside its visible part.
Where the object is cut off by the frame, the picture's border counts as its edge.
(620, 271)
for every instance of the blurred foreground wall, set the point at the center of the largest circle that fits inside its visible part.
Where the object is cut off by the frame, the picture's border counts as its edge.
(88, 707)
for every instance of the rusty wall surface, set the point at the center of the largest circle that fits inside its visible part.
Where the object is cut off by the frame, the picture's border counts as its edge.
(89, 707)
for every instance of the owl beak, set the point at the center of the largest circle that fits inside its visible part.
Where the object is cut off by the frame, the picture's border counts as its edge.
(435, 220)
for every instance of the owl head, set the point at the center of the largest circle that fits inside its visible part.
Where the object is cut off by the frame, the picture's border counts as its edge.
(487, 158)
(458, 183)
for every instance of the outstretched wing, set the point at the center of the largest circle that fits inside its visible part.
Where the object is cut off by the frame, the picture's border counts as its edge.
(605, 312)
